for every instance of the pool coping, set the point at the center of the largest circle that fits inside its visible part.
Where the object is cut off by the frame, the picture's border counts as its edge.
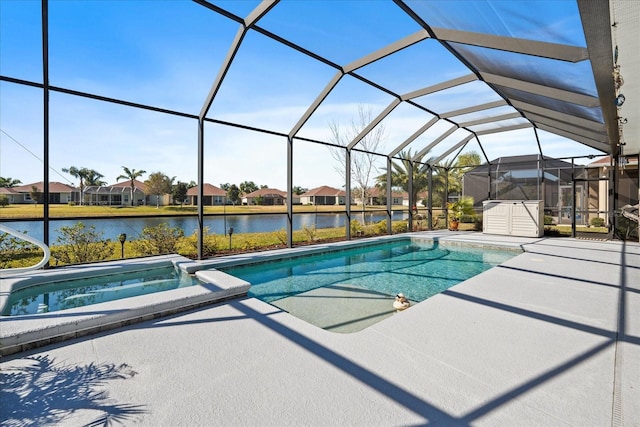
(20, 333)
(192, 266)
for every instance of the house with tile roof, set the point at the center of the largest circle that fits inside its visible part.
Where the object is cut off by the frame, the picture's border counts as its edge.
(118, 194)
(265, 196)
(212, 195)
(377, 196)
(11, 195)
(323, 195)
(59, 193)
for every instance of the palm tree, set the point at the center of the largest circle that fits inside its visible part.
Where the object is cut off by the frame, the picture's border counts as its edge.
(86, 176)
(463, 164)
(131, 175)
(93, 178)
(81, 174)
(9, 182)
(400, 174)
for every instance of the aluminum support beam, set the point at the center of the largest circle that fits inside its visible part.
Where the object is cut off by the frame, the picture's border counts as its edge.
(235, 45)
(45, 115)
(226, 64)
(473, 109)
(200, 206)
(248, 22)
(440, 86)
(430, 198)
(412, 199)
(595, 18)
(586, 141)
(347, 188)
(416, 134)
(460, 144)
(557, 115)
(504, 129)
(569, 127)
(289, 192)
(491, 119)
(541, 180)
(389, 196)
(316, 103)
(259, 11)
(374, 123)
(437, 141)
(251, 19)
(538, 89)
(511, 44)
(387, 50)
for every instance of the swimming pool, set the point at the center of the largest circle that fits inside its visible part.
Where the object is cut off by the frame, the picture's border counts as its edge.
(337, 303)
(350, 289)
(67, 294)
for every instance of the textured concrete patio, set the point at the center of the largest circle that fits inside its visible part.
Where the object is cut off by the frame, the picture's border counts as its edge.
(550, 338)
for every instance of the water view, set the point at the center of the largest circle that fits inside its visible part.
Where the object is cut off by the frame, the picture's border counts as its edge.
(113, 227)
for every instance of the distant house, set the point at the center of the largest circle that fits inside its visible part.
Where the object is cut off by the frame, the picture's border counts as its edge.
(213, 196)
(265, 196)
(12, 195)
(59, 193)
(117, 194)
(324, 195)
(376, 196)
(422, 199)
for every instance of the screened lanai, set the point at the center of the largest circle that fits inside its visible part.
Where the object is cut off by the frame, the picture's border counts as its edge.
(312, 94)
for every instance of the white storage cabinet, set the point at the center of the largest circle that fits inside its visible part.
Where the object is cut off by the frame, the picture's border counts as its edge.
(523, 218)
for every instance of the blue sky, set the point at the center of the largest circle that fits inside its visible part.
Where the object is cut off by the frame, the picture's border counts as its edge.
(168, 53)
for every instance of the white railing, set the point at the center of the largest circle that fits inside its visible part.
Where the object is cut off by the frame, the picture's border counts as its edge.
(23, 236)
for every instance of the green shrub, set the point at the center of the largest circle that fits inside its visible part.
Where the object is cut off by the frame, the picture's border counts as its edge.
(71, 204)
(79, 244)
(4, 201)
(249, 245)
(467, 218)
(477, 224)
(189, 245)
(15, 252)
(626, 229)
(399, 227)
(380, 227)
(310, 232)
(356, 227)
(597, 222)
(281, 236)
(159, 240)
(548, 220)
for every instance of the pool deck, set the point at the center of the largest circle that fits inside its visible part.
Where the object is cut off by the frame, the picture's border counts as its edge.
(549, 338)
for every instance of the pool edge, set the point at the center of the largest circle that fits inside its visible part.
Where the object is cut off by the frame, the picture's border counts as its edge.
(21, 333)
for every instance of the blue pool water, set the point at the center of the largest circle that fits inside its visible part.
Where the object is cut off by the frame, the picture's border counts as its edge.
(419, 270)
(67, 294)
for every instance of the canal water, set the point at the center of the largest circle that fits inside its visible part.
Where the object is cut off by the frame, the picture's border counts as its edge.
(111, 228)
